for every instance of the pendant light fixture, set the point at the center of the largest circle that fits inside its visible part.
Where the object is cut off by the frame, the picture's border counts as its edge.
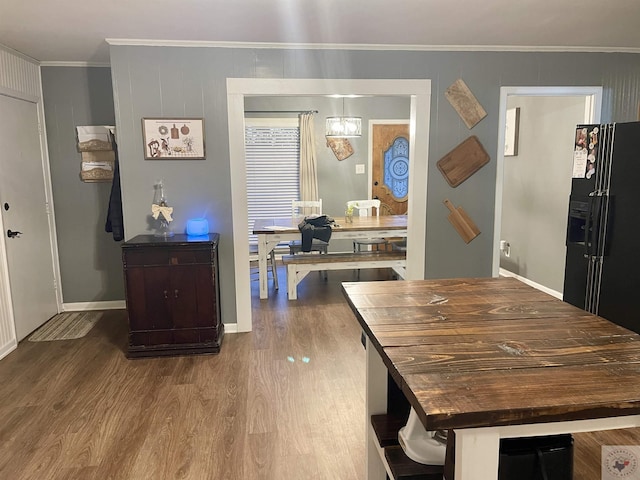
(344, 126)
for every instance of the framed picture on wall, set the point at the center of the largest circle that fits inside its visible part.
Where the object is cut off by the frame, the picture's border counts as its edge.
(173, 138)
(512, 127)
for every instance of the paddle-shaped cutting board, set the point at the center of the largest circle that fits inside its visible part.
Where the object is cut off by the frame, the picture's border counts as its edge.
(465, 227)
(463, 161)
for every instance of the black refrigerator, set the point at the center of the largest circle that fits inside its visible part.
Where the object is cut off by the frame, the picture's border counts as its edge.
(602, 270)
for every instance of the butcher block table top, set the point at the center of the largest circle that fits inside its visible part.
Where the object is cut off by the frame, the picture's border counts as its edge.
(493, 351)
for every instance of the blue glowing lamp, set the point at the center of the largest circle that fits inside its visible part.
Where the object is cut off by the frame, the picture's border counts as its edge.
(197, 227)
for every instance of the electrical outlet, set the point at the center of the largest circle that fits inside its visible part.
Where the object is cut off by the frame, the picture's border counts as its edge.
(359, 168)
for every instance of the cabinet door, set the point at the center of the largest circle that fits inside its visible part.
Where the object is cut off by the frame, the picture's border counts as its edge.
(194, 299)
(158, 297)
(147, 298)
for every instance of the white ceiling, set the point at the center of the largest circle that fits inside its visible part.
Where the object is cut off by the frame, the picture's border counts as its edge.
(75, 30)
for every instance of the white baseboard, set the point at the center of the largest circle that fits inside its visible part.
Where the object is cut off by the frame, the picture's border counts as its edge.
(531, 283)
(230, 328)
(88, 306)
(8, 348)
(117, 305)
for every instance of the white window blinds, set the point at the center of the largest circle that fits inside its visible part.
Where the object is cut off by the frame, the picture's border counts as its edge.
(272, 148)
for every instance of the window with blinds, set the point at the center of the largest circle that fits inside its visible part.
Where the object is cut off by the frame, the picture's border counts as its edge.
(272, 148)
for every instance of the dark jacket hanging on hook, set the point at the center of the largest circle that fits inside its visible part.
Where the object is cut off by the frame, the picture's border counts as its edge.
(115, 223)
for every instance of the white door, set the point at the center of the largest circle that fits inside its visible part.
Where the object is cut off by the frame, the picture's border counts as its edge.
(24, 209)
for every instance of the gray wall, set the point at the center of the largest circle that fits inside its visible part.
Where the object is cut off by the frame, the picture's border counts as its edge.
(537, 183)
(90, 263)
(182, 81)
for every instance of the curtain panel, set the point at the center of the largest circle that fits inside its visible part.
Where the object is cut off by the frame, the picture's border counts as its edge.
(308, 162)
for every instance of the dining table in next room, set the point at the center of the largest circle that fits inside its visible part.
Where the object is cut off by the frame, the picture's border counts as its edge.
(274, 231)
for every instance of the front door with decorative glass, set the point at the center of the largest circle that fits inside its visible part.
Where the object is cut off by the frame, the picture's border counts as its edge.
(390, 167)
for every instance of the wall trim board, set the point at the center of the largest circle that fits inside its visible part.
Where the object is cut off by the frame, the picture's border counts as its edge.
(531, 283)
(8, 348)
(9, 92)
(75, 64)
(366, 46)
(230, 328)
(116, 305)
(89, 306)
(16, 53)
(20, 75)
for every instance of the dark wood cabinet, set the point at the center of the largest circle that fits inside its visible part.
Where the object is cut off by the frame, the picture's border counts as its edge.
(173, 295)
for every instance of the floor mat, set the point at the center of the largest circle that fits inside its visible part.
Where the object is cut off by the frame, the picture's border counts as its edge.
(66, 326)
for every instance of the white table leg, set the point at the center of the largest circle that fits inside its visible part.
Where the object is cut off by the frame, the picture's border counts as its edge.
(376, 403)
(477, 454)
(263, 253)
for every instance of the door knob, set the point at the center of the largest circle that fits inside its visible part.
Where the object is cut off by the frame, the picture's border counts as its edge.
(12, 234)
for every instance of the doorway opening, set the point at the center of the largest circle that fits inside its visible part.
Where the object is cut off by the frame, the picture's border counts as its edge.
(533, 183)
(419, 93)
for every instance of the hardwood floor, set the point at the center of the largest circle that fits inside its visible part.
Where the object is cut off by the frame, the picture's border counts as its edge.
(285, 401)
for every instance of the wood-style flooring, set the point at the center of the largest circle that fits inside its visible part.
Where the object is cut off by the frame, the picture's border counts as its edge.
(285, 401)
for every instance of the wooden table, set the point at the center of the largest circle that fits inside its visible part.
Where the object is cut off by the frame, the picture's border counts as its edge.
(493, 358)
(273, 231)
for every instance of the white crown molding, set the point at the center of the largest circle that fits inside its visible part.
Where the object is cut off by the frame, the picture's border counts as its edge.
(75, 64)
(391, 47)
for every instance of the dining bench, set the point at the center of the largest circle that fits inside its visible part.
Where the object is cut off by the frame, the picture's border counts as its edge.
(298, 266)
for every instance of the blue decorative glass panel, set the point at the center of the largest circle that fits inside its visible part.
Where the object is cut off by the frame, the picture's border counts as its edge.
(396, 168)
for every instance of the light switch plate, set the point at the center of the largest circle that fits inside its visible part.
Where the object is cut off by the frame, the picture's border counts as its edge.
(359, 168)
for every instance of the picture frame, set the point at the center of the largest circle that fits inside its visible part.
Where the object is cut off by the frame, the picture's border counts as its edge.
(512, 129)
(173, 138)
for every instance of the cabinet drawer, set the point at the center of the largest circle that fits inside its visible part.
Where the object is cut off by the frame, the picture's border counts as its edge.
(167, 256)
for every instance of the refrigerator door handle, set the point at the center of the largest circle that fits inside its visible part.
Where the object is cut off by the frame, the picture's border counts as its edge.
(595, 234)
(587, 228)
(606, 220)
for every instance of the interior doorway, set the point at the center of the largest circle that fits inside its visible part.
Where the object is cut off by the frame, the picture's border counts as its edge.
(532, 186)
(419, 92)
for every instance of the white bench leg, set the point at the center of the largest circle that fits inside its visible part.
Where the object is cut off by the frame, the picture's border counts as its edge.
(294, 277)
(292, 282)
(400, 271)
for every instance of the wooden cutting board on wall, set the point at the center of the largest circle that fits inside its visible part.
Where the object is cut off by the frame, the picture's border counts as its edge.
(463, 161)
(466, 228)
(465, 103)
